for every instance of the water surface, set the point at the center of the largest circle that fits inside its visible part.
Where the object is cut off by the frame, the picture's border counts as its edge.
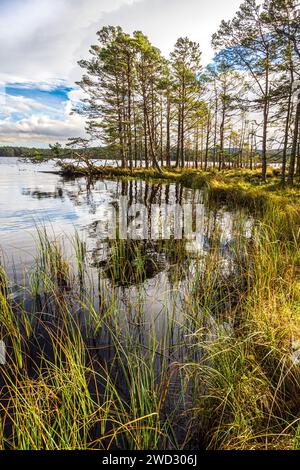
(31, 197)
(156, 307)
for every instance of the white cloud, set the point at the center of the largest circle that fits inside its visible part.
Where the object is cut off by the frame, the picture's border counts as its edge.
(18, 104)
(75, 97)
(164, 21)
(44, 39)
(41, 129)
(50, 85)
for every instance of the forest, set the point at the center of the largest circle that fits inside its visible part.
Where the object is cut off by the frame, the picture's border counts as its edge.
(240, 111)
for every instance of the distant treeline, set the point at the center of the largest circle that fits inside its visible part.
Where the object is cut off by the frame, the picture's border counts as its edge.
(104, 153)
(43, 153)
(20, 152)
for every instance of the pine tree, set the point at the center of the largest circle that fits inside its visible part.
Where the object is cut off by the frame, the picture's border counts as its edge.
(247, 43)
(186, 68)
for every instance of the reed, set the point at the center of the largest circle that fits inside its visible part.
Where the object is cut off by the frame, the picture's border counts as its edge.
(209, 360)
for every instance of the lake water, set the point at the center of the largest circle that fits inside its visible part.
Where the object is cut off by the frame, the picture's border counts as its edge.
(31, 197)
(147, 307)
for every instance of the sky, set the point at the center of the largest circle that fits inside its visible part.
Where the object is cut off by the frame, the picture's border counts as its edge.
(42, 41)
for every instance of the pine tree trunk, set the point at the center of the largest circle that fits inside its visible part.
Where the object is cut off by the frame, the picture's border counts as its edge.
(294, 146)
(168, 145)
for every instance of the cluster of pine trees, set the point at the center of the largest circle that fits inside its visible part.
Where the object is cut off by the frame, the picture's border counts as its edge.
(162, 112)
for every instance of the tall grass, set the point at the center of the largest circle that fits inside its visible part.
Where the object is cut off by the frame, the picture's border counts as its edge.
(155, 346)
(248, 382)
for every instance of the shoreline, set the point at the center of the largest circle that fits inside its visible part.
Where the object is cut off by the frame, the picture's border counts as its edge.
(235, 187)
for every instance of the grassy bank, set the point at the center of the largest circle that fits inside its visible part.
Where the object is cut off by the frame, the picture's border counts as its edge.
(251, 370)
(234, 187)
(221, 372)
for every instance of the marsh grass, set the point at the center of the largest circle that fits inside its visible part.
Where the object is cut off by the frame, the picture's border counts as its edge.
(242, 187)
(88, 366)
(247, 376)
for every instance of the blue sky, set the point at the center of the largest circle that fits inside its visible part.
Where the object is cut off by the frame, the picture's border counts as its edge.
(36, 114)
(52, 100)
(44, 39)
(51, 97)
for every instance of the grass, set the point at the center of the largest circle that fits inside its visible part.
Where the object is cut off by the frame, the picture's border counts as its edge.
(55, 394)
(238, 187)
(251, 383)
(93, 364)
